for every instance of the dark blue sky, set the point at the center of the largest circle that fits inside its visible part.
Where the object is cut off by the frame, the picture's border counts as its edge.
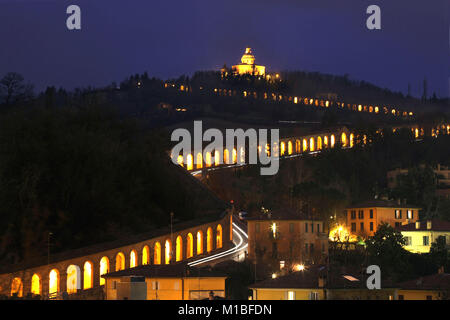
(168, 38)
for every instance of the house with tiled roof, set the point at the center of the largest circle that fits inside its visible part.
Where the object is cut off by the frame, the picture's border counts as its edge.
(433, 287)
(421, 234)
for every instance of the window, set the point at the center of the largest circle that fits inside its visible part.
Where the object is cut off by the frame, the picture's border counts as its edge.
(257, 227)
(291, 295)
(398, 214)
(318, 228)
(306, 227)
(371, 226)
(361, 214)
(311, 248)
(274, 250)
(291, 227)
(362, 226)
(306, 247)
(353, 227)
(155, 285)
(114, 285)
(371, 213)
(313, 296)
(426, 241)
(312, 227)
(410, 214)
(408, 241)
(353, 214)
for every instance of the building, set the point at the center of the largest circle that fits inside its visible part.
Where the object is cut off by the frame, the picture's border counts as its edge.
(421, 234)
(364, 218)
(286, 237)
(299, 285)
(433, 287)
(247, 65)
(165, 282)
(315, 283)
(442, 175)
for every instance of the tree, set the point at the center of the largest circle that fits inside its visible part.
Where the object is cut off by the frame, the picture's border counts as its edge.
(13, 89)
(385, 249)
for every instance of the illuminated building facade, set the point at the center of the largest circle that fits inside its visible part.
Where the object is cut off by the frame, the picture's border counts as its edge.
(247, 65)
(421, 234)
(287, 238)
(171, 282)
(364, 218)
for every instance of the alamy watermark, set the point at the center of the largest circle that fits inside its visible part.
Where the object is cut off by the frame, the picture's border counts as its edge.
(257, 151)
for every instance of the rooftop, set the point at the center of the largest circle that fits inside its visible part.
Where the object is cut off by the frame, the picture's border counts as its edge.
(166, 271)
(380, 203)
(432, 282)
(281, 214)
(436, 225)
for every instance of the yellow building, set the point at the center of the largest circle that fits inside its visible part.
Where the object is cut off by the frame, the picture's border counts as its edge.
(248, 66)
(434, 287)
(164, 282)
(364, 218)
(299, 285)
(421, 234)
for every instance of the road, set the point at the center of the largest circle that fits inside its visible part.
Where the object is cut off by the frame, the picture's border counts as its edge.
(237, 253)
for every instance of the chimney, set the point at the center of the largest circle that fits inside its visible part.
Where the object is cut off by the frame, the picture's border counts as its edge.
(417, 225)
(429, 225)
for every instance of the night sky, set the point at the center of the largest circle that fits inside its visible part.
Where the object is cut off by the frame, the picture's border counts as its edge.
(168, 38)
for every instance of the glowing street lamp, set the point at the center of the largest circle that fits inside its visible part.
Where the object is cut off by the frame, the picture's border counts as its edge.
(299, 267)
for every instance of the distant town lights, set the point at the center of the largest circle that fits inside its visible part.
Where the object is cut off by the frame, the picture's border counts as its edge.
(299, 267)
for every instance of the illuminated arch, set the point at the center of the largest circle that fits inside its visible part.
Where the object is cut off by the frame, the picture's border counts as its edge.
(167, 251)
(209, 240)
(282, 148)
(189, 162)
(53, 282)
(352, 140)
(216, 157)
(157, 253)
(311, 144)
(298, 146)
(73, 282)
(226, 156)
(17, 287)
(289, 147)
(219, 237)
(133, 259)
(416, 133)
(305, 145)
(145, 255)
(88, 275)
(208, 159)
(190, 245)
(199, 242)
(179, 250)
(332, 141)
(234, 155)
(180, 160)
(344, 139)
(199, 160)
(319, 143)
(104, 269)
(120, 261)
(36, 284)
(325, 141)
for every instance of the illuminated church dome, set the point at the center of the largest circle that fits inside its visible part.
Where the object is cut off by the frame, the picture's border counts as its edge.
(248, 66)
(248, 57)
